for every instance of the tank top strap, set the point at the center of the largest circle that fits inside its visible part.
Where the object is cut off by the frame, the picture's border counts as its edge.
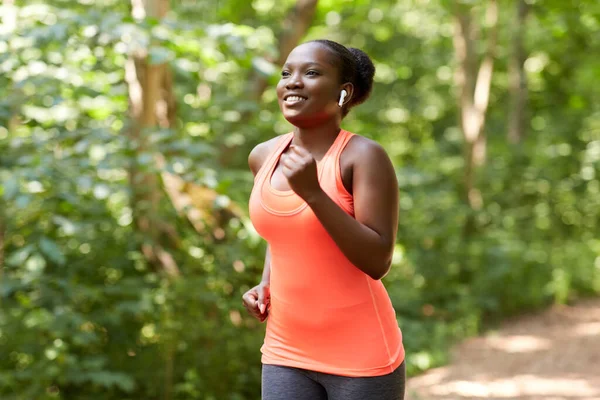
(332, 177)
(340, 145)
(333, 155)
(282, 144)
(346, 198)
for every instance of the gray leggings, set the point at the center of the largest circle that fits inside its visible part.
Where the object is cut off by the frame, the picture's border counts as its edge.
(286, 383)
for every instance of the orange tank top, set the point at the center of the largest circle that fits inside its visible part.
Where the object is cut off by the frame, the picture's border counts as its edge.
(326, 315)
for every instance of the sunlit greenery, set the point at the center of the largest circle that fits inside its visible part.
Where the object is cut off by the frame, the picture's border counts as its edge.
(84, 316)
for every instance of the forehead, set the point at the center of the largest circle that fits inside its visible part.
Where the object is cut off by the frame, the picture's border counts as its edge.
(311, 53)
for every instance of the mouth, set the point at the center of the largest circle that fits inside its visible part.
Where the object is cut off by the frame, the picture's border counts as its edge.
(293, 99)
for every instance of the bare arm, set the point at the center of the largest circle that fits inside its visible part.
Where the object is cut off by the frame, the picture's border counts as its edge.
(257, 157)
(266, 275)
(368, 239)
(257, 299)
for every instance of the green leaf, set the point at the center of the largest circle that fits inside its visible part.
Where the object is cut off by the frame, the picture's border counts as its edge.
(20, 256)
(11, 188)
(23, 201)
(51, 250)
(263, 66)
(109, 379)
(159, 55)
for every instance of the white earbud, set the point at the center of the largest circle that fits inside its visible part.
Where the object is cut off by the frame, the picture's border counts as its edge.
(342, 97)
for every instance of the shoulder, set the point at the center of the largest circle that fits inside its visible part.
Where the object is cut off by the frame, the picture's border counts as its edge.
(361, 150)
(369, 162)
(260, 152)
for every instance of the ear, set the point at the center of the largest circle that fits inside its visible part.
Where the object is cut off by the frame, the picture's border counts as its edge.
(349, 88)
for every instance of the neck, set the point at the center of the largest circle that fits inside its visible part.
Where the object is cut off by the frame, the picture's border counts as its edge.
(317, 139)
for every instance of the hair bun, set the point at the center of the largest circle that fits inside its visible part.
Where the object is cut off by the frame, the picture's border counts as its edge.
(365, 71)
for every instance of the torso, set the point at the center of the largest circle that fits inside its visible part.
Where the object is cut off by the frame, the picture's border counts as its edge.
(326, 315)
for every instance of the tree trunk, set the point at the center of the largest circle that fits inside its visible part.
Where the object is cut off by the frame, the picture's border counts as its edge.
(517, 78)
(152, 106)
(145, 83)
(474, 86)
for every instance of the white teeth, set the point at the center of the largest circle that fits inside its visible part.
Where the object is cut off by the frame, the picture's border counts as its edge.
(294, 98)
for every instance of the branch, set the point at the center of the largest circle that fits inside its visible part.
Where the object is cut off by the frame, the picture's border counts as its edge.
(484, 78)
(474, 91)
(518, 78)
(483, 86)
(465, 71)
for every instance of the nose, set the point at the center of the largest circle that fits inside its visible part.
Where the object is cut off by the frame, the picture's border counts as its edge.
(294, 82)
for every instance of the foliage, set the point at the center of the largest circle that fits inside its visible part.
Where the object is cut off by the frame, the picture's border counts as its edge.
(82, 315)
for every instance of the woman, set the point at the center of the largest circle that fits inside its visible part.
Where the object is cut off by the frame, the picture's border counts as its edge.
(326, 202)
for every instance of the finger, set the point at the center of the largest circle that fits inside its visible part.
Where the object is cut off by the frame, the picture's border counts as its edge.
(287, 171)
(261, 301)
(250, 294)
(265, 314)
(289, 166)
(253, 311)
(250, 298)
(295, 152)
(301, 154)
(294, 158)
(284, 160)
(299, 150)
(295, 162)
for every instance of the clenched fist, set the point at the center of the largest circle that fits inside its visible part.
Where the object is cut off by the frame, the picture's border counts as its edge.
(300, 169)
(258, 301)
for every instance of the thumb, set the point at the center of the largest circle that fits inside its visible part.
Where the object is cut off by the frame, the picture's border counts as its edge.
(261, 299)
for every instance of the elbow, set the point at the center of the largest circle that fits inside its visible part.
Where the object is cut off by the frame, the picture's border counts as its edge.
(380, 271)
(377, 262)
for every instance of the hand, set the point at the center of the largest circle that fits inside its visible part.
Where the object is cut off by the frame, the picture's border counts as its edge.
(300, 169)
(258, 301)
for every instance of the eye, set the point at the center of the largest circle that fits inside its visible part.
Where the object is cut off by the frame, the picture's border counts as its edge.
(285, 74)
(312, 72)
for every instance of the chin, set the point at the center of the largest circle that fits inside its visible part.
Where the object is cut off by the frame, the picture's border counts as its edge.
(306, 120)
(294, 117)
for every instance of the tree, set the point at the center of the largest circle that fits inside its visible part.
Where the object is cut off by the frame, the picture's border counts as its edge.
(474, 83)
(151, 101)
(518, 78)
(89, 309)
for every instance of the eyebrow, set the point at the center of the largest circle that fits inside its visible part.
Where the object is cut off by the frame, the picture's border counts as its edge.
(308, 64)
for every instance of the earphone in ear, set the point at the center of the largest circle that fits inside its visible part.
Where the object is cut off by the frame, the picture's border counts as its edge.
(342, 97)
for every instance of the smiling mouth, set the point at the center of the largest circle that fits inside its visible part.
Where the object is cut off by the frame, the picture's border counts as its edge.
(294, 99)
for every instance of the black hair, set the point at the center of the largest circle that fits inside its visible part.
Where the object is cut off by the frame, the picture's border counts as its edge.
(355, 67)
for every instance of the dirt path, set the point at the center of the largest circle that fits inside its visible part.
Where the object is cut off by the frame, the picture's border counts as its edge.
(553, 355)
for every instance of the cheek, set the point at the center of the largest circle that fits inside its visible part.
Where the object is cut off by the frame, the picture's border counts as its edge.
(280, 87)
(325, 93)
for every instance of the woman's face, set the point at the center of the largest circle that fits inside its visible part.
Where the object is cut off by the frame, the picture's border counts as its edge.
(309, 88)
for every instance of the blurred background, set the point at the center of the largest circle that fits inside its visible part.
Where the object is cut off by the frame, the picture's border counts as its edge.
(125, 243)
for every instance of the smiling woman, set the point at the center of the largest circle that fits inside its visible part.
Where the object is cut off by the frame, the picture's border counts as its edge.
(326, 202)
(351, 67)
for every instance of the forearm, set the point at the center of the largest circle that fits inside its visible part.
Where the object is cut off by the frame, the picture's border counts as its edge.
(266, 275)
(364, 247)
